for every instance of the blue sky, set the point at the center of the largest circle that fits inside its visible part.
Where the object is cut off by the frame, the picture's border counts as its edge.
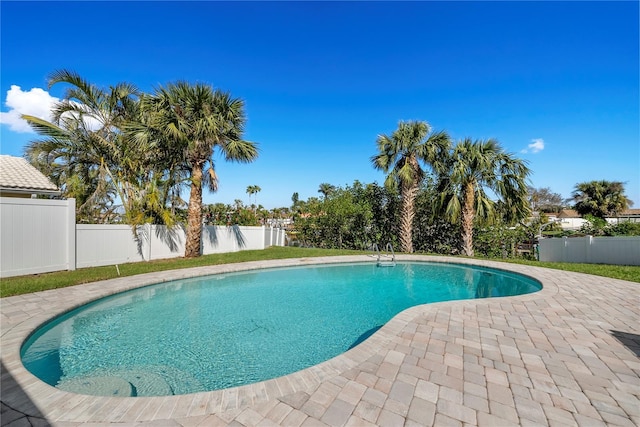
(556, 83)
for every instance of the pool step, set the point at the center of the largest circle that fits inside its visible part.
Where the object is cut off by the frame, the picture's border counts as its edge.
(152, 381)
(386, 263)
(98, 386)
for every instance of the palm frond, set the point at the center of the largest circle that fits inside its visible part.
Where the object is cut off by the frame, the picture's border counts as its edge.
(43, 127)
(453, 207)
(211, 178)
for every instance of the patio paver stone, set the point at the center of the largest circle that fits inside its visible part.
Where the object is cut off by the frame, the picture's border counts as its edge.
(566, 355)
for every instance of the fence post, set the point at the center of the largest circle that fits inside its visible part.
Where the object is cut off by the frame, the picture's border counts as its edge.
(588, 242)
(149, 238)
(71, 234)
(264, 237)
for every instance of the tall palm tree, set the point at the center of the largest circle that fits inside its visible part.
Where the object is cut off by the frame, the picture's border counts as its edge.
(473, 166)
(399, 156)
(600, 198)
(194, 120)
(254, 190)
(326, 189)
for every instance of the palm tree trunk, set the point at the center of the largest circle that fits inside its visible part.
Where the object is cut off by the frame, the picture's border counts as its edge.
(468, 213)
(194, 214)
(407, 209)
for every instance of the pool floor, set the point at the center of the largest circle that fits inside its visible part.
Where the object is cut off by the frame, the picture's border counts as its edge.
(567, 355)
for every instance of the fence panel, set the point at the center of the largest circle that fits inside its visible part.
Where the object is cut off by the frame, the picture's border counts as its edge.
(268, 237)
(162, 242)
(576, 250)
(550, 250)
(234, 238)
(106, 244)
(274, 237)
(36, 236)
(40, 235)
(616, 250)
(252, 238)
(620, 250)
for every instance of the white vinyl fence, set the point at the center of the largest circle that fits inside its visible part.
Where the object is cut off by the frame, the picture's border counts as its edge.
(620, 250)
(35, 235)
(39, 236)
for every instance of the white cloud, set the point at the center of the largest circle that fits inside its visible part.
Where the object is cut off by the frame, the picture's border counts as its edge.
(35, 102)
(536, 146)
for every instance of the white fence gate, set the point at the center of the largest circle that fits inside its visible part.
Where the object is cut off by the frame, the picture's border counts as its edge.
(619, 250)
(40, 235)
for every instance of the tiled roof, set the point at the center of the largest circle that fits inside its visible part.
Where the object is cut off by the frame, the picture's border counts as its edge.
(18, 175)
(568, 213)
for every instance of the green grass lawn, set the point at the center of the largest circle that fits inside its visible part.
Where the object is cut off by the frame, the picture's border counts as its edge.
(623, 272)
(60, 279)
(40, 282)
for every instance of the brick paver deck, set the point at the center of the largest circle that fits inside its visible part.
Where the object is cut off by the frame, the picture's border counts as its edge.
(565, 356)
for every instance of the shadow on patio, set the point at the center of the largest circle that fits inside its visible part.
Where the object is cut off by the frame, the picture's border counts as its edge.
(629, 340)
(17, 407)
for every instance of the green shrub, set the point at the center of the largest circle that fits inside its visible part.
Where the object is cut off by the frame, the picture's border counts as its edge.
(436, 237)
(623, 229)
(594, 226)
(500, 241)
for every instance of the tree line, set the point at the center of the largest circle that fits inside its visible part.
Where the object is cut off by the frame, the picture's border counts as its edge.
(435, 198)
(357, 215)
(123, 153)
(126, 155)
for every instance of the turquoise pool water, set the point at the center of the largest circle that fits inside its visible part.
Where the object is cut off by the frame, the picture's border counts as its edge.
(226, 330)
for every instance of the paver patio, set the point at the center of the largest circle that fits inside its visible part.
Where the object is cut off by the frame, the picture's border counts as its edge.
(566, 355)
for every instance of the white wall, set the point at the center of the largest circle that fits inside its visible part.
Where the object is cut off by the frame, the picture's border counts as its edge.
(36, 236)
(40, 235)
(624, 219)
(572, 223)
(622, 250)
(577, 223)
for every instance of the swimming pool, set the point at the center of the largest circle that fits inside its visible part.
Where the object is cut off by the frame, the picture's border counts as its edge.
(226, 330)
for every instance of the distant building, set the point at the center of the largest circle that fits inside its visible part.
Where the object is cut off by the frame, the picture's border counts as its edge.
(19, 179)
(629, 215)
(279, 222)
(569, 219)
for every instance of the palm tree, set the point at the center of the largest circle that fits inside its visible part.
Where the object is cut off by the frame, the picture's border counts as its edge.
(473, 166)
(326, 189)
(85, 151)
(195, 120)
(399, 156)
(251, 190)
(600, 198)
